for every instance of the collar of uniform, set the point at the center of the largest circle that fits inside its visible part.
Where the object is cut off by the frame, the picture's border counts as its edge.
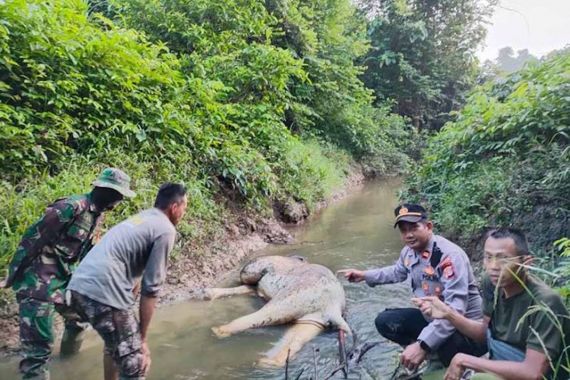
(92, 206)
(410, 257)
(160, 212)
(428, 248)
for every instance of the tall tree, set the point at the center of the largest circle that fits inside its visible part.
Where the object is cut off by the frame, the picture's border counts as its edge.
(423, 54)
(508, 62)
(333, 104)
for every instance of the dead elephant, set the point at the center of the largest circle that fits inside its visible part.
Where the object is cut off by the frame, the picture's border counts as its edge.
(308, 295)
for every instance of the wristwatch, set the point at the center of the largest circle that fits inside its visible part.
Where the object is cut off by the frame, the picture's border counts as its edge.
(424, 346)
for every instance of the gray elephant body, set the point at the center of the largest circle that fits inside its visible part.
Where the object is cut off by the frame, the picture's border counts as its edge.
(299, 290)
(308, 295)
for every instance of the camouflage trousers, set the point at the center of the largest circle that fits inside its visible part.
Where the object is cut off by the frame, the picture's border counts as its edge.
(120, 332)
(37, 337)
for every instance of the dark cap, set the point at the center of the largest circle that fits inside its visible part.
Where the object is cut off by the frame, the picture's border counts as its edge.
(409, 212)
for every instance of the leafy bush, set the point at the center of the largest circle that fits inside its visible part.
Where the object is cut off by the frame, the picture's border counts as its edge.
(311, 173)
(68, 85)
(506, 159)
(561, 269)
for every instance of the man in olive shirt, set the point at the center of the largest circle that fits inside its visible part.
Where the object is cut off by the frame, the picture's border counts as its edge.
(525, 340)
(101, 289)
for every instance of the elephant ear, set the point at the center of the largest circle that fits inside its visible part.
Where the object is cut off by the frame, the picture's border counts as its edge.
(253, 271)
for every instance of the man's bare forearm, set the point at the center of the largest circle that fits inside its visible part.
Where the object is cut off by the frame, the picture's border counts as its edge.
(476, 330)
(507, 370)
(147, 306)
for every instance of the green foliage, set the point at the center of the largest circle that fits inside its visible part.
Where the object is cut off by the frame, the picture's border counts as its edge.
(333, 105)
(506, 159)
(423, 54)
(67, 85)
(292, 59)
(312, 173)
(190, 90)
(554, 269)
(561, 268)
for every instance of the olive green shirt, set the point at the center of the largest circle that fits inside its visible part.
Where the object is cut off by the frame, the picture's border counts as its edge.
(519, 321)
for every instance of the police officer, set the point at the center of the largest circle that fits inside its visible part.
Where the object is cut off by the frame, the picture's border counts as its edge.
(40, 270)
(437, 267)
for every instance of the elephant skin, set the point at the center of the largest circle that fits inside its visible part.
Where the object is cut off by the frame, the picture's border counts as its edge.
(309, 296)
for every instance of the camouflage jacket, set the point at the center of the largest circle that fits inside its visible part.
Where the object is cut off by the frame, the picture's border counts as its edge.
(55, 244)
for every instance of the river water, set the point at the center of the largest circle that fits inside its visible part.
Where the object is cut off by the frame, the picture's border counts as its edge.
(355, 232)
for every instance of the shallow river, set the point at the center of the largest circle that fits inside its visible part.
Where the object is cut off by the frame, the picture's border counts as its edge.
(355, 232)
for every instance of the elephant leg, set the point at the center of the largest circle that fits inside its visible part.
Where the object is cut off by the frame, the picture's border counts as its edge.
(268, 315)
(214, 293)
(295, 338)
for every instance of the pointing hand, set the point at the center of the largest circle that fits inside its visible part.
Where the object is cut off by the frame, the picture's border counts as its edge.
(352, 275)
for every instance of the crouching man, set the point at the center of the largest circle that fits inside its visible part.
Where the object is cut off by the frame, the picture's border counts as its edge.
(101, 289)
(436, 267)
(525, 322)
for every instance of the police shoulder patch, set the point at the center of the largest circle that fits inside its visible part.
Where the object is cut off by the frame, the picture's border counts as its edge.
(448, 271)
(445, 262)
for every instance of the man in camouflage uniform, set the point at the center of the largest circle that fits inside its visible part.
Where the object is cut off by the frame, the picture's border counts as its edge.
(43, 263)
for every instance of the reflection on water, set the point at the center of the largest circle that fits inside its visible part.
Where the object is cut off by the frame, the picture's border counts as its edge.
(356, 232)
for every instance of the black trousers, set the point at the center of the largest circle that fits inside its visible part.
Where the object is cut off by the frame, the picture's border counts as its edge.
(403, 326)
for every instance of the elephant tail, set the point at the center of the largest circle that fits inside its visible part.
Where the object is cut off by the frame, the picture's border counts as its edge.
(338, 321)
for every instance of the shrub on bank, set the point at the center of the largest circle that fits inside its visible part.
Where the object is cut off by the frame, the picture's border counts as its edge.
(506, 159)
